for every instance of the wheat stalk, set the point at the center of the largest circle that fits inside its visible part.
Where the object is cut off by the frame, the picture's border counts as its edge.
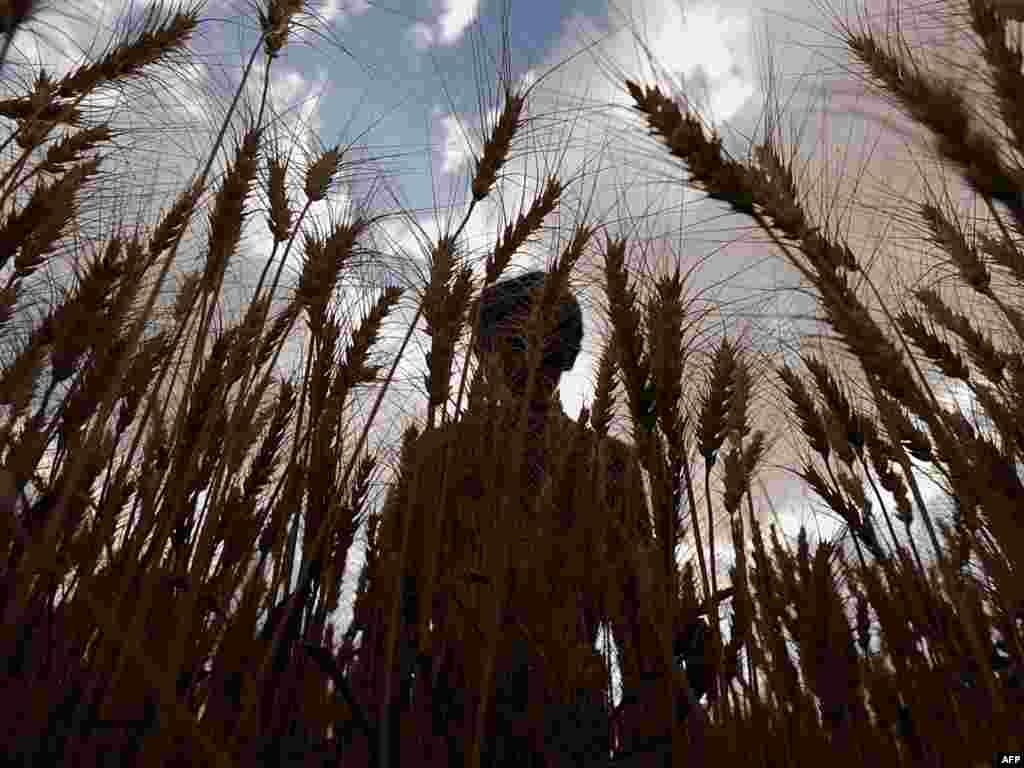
(939, 105)
(604, 392)
(495, 154)
(1004, 62)
(319, 176)
(72, 146)
(134, 339)
(668, 357)
(228, 214)
(277, 22)
(498, 145)
(811, 422)
(712, 430)
(938, 350)
(161, 35)
(444, 306)
(280, 219)
(740, 187)
(226, 220)
(949, 236)
(27, 108)
(30, 234)
(981, 350)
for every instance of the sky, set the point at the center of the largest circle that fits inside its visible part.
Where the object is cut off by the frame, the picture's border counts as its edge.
(409, 89)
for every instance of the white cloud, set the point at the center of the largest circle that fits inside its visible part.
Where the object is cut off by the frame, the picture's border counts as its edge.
(700, 38)
(455, 150)
(707, 46)
(454, 19)
(728, 98)
(457, 16)
(330, 10)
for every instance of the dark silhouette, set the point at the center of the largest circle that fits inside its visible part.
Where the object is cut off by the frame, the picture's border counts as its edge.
(574, 733)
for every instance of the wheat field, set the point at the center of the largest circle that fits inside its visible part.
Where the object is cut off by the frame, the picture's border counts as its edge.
(155, 465)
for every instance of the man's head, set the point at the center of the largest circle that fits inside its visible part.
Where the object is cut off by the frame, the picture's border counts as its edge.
(504, 309)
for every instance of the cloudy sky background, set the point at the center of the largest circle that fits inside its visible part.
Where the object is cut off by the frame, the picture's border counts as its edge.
(410, 87)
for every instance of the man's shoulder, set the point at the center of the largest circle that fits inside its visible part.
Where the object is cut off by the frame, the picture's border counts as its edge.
(464, 437)
(615, 448)
(431, 441)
